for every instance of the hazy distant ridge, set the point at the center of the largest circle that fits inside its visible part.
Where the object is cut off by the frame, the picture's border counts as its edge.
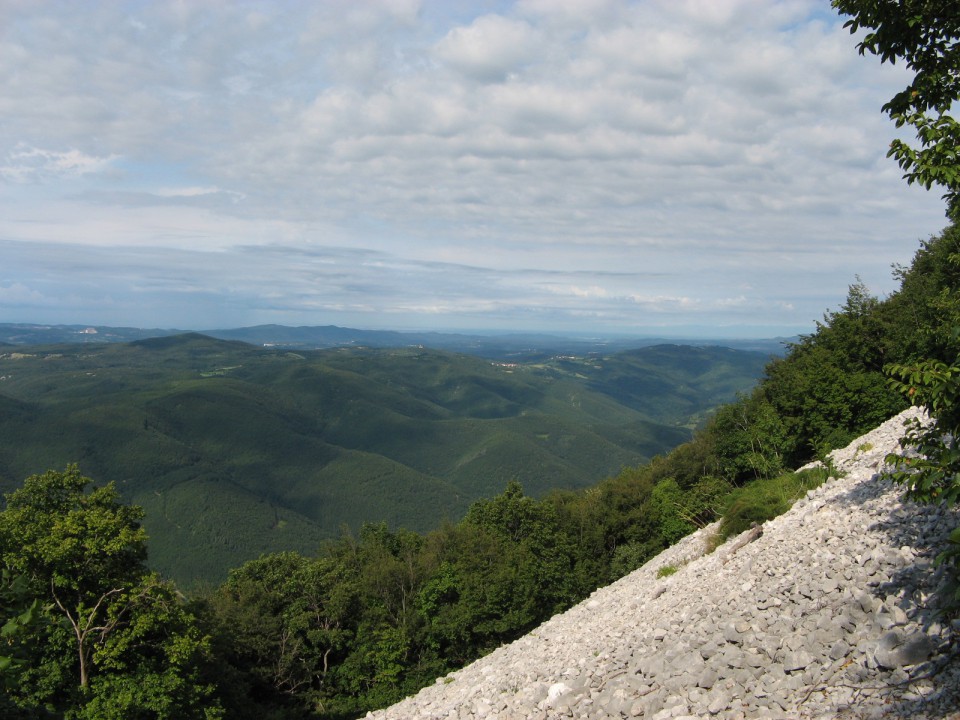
(502, 345)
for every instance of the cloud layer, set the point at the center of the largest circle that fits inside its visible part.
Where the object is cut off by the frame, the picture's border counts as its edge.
(575, 165)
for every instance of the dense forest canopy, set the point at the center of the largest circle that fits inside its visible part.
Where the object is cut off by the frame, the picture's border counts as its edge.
(234, 450)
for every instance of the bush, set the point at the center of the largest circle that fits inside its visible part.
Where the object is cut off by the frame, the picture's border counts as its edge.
(929, 467)
(629, 557)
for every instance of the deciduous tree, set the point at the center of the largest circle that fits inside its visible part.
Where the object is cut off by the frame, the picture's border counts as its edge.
(119, 642)
(923, 35)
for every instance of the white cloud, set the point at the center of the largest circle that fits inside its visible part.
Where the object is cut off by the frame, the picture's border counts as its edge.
(732, 302)
(665, 303)
(489, 49)
(187, 191)
(194, 192)
(19, 294)
(26, 164)
(685, 145)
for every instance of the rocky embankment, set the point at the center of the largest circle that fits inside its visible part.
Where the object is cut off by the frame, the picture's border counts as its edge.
(827, 614)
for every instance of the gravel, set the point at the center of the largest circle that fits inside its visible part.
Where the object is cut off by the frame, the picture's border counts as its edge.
(828, 611)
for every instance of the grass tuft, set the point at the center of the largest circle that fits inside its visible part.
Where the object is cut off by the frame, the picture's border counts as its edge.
(765, 499)
(666, 571)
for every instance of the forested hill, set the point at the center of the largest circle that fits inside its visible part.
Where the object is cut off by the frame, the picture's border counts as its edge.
(234, 450)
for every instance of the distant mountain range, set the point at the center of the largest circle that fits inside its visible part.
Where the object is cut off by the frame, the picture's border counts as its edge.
(235, 449)
(521, 346)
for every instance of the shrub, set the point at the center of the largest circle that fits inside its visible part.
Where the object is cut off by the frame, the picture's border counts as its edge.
(929, 467)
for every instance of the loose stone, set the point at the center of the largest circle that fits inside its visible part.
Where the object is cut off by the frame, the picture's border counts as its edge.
(828, 611)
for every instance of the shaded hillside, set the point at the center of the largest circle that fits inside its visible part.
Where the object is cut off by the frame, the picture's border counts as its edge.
(234, 450)
(673, 384)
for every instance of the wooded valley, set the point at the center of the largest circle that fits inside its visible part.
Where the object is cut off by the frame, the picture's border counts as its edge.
(234, 450)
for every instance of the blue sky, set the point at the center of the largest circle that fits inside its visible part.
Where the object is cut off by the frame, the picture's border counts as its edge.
(672, 167)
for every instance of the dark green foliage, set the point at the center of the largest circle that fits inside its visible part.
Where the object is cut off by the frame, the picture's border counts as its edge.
(749, 439)
(52, 528)
(926, 374)
(830, 388)
(667, 500)
(376, 616)
(703, 503)
(929, 467)
(151, 665)
(533, 531)
(923, 369)
(927, 306)
(116, 641)
(283, 624)
(690, 462)
(20, 614)
(832, 385)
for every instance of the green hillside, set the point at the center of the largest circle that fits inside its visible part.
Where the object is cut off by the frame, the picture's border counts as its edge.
(671, 384)
(235, 450)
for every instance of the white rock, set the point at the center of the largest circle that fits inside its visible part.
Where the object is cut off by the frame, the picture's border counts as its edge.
(831, 639)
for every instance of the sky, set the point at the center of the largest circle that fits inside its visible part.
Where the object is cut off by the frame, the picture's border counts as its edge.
(670, 167)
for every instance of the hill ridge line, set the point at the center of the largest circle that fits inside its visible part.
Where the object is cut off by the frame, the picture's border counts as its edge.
(827, 614)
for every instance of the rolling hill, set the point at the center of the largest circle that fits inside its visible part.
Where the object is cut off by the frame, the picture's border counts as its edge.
(234, 450)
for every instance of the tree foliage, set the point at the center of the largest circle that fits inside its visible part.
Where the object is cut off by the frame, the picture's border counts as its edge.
(923, 35)
(930, 467)
(118, 642)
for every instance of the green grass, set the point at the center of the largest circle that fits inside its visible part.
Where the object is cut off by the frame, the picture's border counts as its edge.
(666, 571)
(763, 500)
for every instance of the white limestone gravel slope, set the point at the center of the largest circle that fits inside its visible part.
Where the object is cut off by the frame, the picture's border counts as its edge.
(827, 614)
